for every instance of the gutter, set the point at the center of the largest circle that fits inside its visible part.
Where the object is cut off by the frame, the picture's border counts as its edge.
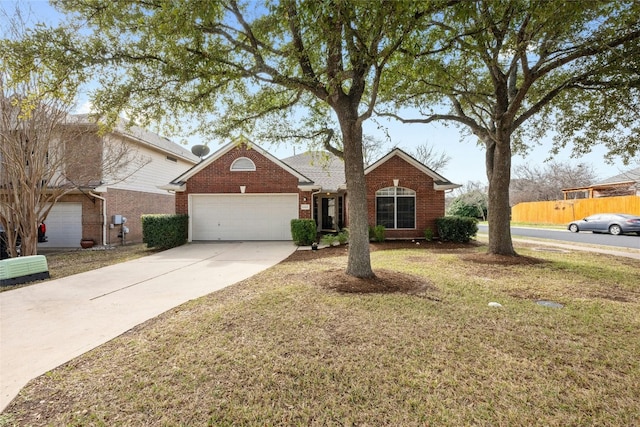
(172, 188)
(104, 217)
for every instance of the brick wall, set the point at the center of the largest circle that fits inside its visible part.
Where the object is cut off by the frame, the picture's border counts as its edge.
(217, 177)
(429, 202)
(83, 158)
(132, 205)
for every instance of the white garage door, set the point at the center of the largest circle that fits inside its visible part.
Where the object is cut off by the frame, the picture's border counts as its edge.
(242, 216)
(64, 225)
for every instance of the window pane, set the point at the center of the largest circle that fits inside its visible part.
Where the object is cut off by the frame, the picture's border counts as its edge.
(389, 191)
(243, 164)
(406, 212)
(405, 192)
(384, 211)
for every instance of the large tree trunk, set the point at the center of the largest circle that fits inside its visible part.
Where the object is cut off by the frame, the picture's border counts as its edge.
(498, 162)
(359, 260)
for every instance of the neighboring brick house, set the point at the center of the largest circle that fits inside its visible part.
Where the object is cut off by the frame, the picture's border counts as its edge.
(242, 192)
(92, 211)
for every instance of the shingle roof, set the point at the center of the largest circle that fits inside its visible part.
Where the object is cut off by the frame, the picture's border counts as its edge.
(323, 168)
(146, 137)
(628, 176)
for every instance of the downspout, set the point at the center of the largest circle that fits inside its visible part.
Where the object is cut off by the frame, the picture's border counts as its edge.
(104, 217)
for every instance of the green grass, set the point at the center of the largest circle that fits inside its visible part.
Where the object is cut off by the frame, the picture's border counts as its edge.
(282, 349)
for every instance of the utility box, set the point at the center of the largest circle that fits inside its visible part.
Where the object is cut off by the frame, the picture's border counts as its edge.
(14, 271)
(116, 220)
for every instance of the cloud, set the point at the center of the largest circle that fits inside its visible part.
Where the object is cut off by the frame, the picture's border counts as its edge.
(85, 108)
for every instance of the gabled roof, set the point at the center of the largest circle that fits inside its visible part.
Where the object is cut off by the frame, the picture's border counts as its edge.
(178, 183)
(323, 168)
(629, 176)
(144, 137)
(439, 182)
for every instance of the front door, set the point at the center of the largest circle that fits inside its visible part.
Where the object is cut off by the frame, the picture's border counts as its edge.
(329, 214)
(329, 219)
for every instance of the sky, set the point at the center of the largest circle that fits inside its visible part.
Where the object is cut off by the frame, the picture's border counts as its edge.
(467, 158)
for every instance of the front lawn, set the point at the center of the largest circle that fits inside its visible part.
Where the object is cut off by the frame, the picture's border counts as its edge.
(302, 344)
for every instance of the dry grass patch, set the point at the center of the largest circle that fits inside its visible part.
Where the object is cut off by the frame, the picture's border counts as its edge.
(290, 347)
(66, 263)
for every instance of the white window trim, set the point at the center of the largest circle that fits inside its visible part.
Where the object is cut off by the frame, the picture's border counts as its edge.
(235, 168)
(395, 205)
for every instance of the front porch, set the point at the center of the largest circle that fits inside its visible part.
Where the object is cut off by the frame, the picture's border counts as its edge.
(329, 211)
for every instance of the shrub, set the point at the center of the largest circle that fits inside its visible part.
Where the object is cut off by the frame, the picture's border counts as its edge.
(165, 231)
(457, 229)
(473, 204)
(428, 234)
(329, 239)
(343, 236)
(303, 231)
(377, 233)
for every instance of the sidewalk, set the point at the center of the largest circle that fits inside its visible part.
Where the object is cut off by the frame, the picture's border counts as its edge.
(45, 325)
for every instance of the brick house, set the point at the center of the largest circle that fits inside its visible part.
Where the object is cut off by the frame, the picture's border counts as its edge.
(93, 209)
(241, 192)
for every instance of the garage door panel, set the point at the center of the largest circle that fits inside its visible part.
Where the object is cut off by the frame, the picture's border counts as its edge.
(242, 216)
(64, 225)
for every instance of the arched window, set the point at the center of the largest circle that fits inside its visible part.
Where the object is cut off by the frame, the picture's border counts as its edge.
(396, 207)
(243, 164)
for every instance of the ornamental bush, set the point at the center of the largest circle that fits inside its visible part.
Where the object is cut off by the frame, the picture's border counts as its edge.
(428, 234)
(458, 229)
(165, 231)
(377, 233)
(303, 231)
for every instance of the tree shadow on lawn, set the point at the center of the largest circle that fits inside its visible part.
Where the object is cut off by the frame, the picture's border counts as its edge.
(388, 281)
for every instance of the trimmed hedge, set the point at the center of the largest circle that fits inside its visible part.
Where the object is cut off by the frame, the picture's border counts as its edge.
(303, 231)
(458, 229)
(165, 231)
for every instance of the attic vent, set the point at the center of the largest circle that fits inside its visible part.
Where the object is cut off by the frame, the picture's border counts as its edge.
(243, 164)
(172, 159)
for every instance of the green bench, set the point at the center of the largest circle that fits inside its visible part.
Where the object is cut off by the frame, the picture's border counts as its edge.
(14, 271)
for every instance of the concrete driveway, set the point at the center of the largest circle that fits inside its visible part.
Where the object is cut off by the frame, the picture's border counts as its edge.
(45, 325)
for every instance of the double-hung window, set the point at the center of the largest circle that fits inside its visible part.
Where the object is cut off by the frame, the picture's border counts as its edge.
(396, 207)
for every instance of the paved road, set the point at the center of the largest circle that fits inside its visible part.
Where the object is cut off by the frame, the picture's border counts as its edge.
(45, 325)
(622, 241)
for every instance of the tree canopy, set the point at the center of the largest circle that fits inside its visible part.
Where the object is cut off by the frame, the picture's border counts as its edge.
(533, 183)
(43, 148)
(233, 66)
(507, 71)
(511, 71)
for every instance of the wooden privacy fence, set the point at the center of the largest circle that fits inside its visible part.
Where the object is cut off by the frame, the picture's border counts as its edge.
(564, 211)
